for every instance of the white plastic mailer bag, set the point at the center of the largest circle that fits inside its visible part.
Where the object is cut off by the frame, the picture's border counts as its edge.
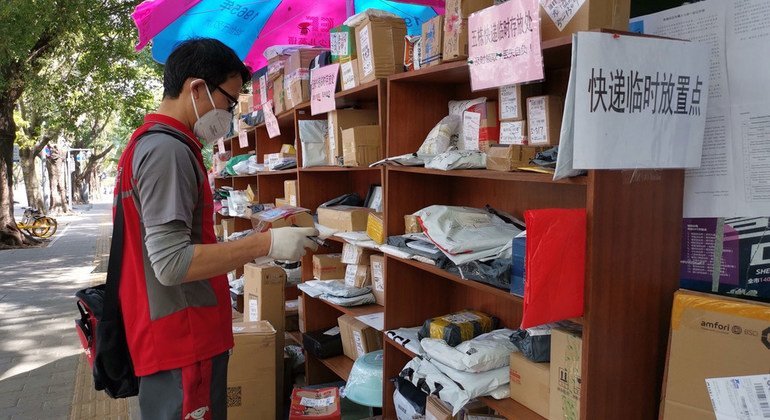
(458, 159)
(443, 137)
(430, 380)
(466, 234)
(484, 353)
(337, 288)
(476, 384)
(312, 136)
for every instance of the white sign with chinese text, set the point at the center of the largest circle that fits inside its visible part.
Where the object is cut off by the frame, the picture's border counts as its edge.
(323, 83)
(243, 139)
(639, 102)
(504, 45)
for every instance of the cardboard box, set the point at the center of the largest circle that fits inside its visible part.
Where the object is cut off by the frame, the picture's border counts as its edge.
(432, 41)
(328, 267)
(322, 404)
(228, 228)
(711, 337)
(245, 103)
(263, 290)
(509, 158)
(251, 372)
(355, 255)
(456, 26)
(298, 75)
(361, 146)
(380, 44)
(566, 357)
(344, 218)
(358, 338)
(411, 224)
(290, 189)
(530, 383)
(378, 278)
(342, 119)
(279, 95)
(349, 75)
(301, 313)
(513, 132)
(593, 14)
(375, 227)
(282, 217)
(489, 126)
(745, 264)
(343, 44)
(358, 275)
(276, 65)
(280, 202)
(435, 409)
(544, 114)
(512, 100)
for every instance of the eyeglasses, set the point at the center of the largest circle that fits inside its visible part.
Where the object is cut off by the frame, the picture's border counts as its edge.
(233, 101)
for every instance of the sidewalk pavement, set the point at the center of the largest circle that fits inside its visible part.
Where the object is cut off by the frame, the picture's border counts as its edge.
(39, 349)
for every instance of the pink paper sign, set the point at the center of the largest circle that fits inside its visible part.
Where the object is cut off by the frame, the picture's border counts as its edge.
(323, 83)
(504, 45)
(271, 123)
(243, 139)
(221, 145)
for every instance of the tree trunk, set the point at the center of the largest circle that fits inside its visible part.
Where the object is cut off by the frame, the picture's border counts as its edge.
(55, 165)
(9, 233)
(31, 181)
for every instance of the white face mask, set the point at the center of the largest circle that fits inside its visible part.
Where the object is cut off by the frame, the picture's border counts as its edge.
(213, 124)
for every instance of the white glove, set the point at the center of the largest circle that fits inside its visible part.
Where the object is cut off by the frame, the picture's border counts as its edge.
(289, 243)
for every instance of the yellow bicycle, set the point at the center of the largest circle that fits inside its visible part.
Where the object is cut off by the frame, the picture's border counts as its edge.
(37, 224)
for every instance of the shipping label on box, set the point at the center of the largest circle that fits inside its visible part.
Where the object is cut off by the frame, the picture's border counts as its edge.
(513, 132)
(544, 115)
(343, 44)
(349, 74)
(378, 278)
(366, 60)
(357, 275)
(356, 255)
(511, 103)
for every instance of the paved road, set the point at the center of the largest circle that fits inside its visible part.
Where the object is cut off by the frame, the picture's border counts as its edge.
(38, 346)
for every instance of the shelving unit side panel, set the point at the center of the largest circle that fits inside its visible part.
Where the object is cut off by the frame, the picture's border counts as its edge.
(632, 272)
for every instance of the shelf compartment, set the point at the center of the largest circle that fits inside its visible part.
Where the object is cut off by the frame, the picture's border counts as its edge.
(340, 365)
(294, 336)
(317, 187)
(339, 169)
(521, 176)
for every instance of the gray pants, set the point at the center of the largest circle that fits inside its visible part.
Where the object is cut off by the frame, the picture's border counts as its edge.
(194, 392)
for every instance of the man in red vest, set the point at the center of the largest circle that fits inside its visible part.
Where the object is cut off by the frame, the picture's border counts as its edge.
(174, 296)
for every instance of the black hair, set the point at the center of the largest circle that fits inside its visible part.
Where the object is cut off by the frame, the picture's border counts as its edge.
(202, 58)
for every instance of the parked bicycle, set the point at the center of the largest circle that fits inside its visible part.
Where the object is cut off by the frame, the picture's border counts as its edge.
(37, 224)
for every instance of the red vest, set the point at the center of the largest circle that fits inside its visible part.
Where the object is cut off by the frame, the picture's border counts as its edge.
(190, 334)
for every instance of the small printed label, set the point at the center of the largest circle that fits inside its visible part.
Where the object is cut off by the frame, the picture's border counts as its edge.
(359, 343)
(743, 397)
(263, 89)
(333, 331)
(350, 275)
(471, 123)
(348, 76)
(561, 12)
(509, 102)
(253, 310)
(538, 128)
(367, 61)
(339, 43)
(461, 318)
(239, 329)
(377, 276)
(317, 402)
(243, 139)
(512, 132)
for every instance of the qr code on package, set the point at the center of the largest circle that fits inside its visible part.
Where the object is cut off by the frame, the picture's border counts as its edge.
(234, 396)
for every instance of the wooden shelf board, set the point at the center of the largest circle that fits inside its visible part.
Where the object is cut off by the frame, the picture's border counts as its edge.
(340, 365)
(367, 91)
(338, 169)
(511, 409)
(274, 173)
(353, 310)
(243, 176)
(492, 291)
(455, 72)
(495, 175)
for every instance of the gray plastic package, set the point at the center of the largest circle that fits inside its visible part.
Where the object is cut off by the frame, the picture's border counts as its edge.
(312, 135)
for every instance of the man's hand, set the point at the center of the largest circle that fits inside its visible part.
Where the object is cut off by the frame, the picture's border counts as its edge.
(289, 243)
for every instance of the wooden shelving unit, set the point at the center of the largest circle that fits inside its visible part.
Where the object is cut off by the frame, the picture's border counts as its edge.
(632, 259)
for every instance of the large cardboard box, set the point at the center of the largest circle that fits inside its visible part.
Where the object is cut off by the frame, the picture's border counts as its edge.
(342, 119)
(544, 115)
(356, 255)
(512, 100)
(378, 278)
(328, 267)
(344, 218)
(566, 359)
(343, 44)
(530, 383)
(711, 337)
(432, 41)
(380, 44)
(358, 338)
(361, 146)
(263, 290)
(456, 26)
(290, 191)
(279, 95)
(298, 76)
(251, 372)
(593, 14)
